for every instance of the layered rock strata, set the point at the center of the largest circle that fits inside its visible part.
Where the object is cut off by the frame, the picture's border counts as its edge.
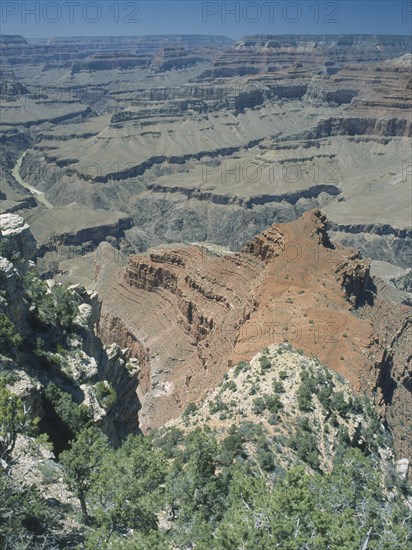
(192, 313)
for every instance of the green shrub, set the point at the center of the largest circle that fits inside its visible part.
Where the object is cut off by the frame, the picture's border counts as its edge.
(259, 405)
(249, 431)
(338, 403)
(324, 396)
(230, 385)
(308, 387)
(334, 420)
(305, 444)
(75, 417)
(343, 436)
(357, 405)
(58, 308)
(40, 347)
(34, 287)
(217, 406)
(265, 364)
(254, 389)
(232, 447)
(273, 403)
(168, 441)
(106, 394)
(53, 307)
(190, 410)
(373, 432)
(278, 387)
(9, 337)
(241, 367)
(266, 459)
(304, 396)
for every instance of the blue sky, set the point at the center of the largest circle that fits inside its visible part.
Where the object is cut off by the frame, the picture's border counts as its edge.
(41, 18)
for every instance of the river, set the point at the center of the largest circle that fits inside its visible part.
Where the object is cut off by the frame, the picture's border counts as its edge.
(39, 195)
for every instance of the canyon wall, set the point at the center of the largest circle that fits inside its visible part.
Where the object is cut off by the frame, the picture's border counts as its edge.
(203, 139)
(192, 312)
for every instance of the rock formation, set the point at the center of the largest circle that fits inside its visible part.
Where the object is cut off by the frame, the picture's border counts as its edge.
(192, 312)
(81, 358)
(16, 238)
(203, 139)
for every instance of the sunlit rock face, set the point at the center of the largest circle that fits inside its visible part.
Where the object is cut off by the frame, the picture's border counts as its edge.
(189, 313)
(16, 239)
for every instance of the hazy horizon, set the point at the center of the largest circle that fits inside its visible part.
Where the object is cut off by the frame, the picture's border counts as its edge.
(48, 19)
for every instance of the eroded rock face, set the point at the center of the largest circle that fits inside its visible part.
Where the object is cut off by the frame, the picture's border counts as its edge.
(267, 245)
(12, 287)
(310, 115)
(190, 313)
(81, 356)
(262, 54)
(17, 248)
(402, 467)
(17, 241)
(25, 387)
(353, 275)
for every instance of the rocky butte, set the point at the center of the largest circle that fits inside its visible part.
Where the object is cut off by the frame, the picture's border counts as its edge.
(189, 313)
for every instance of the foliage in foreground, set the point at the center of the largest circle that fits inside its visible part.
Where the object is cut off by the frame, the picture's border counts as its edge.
(213, 494)
(176, 491)
(26, 520)
(9, 337)
(52, 306)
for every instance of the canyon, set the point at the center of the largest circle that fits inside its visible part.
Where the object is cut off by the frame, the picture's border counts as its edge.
(220, 197)
(187, 314)
(205, 139)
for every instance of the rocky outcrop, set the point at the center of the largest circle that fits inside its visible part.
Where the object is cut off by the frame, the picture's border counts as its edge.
(391, 245)
(236, 396)
(13, 301)
(351, 126)
(73, 225)
(286, 107)
(10, 40)
(26, 387)
(393, 375)
(120, 52)
(16, 239)
(404, 284)
(267, 245)
(10, 88)
(17, 248)
(195, 312)
(402, 467)
(169, 58)
(79, 359)
(262, 54)
(353, 275)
